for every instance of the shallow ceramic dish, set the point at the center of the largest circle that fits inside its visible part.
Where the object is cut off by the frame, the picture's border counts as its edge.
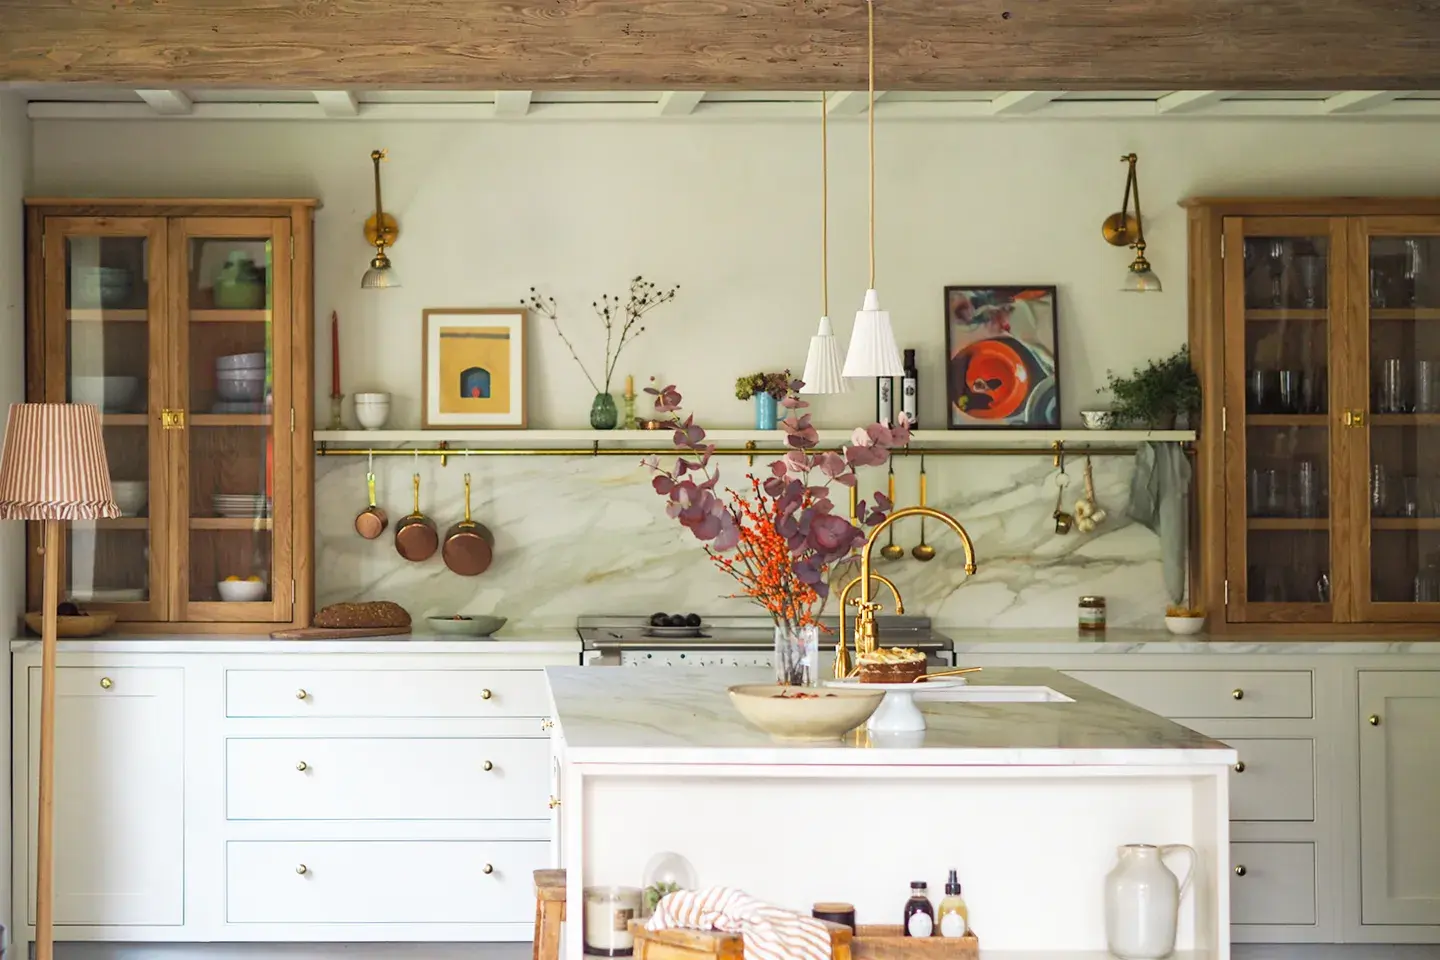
(1097, 419)
(1185, 626)
(804, 714)
(478, 625)
(241, 591)
(236, 386)
(240, 361)
(131, 496)
(85, 625)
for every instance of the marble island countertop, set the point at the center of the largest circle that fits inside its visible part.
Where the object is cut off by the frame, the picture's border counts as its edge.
(619, 714)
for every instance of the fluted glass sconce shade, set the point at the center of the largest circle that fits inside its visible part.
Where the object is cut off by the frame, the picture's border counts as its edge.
(381, 275)
(823, 363)
(1140, 278)
(873, 352)
(381, 231)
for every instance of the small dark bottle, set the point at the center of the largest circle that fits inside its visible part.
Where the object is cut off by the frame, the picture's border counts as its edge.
(919, 914)
(910, 391)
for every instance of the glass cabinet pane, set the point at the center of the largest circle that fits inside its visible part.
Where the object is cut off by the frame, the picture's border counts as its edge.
(231, 390)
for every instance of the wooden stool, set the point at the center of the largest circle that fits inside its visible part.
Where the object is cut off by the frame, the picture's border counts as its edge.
(549, 913)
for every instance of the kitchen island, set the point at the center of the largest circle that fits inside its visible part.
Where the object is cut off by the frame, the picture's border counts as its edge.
(1025, 782)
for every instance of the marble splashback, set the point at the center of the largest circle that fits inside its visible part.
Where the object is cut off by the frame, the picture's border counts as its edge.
(589, 535)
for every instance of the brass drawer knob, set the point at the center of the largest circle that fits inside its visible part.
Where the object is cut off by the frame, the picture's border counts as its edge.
(1238, 694)
(301, 694)
(302, 766)
(489, 868)
(1374, 719)
(485, 694)
(554, 802)
(1240, 870)
(547, 724)
(106, 683)
(489, 766)
(301, 869)
(1240, 767)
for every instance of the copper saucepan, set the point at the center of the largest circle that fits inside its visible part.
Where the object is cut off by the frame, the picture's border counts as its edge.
(372, 521)
(469, 546)
(415, 536)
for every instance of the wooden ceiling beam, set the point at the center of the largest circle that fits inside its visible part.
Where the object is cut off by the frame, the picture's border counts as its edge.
(999, 45)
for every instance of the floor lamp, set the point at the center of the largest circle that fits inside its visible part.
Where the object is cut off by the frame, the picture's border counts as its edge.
(52, 469)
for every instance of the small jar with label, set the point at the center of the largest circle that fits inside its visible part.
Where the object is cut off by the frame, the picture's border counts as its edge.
(608, 912)
(1092, 614)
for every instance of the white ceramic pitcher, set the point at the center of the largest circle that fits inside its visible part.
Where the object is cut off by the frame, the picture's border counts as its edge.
(1142, 901)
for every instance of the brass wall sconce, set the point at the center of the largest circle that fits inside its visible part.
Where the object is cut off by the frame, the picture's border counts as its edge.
(1124, 230)
(381, 231)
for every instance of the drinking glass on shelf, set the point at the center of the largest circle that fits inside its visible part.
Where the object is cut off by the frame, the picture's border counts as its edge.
(1261, 389)
(1413, 267)
(1391, 395)
(1312, 390)
(1266, 493)
(1378, 281)
(1409, 497)
(1322, 586)
(1310, 271)
(1427, 386)
(1277, 273)
(1379, 490)
(1291, 386)
(1307, 489)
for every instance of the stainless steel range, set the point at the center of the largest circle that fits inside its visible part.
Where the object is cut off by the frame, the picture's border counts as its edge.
(730, 641)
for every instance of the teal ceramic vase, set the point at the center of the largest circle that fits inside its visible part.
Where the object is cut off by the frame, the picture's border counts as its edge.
(765, 411)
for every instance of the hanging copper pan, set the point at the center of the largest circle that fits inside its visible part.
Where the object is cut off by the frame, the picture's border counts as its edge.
(469, 546)
(372, 521)
(415, 536)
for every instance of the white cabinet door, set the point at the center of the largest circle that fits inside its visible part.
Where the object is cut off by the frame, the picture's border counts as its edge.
(119, 795)
(1399, 724)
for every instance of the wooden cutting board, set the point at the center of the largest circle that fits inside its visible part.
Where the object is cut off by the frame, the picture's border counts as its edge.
(338, 633)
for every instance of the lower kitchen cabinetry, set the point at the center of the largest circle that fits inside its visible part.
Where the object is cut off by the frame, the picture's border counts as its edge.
(278, 792)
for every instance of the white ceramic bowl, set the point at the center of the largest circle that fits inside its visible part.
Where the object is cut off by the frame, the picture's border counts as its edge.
(241, 591)
(1185, 626)
(131, 496)
(477, 625)
(240, 361)
(372, 409)
(804, 713)
(110, 394)
(1097, 419)
(240, 385)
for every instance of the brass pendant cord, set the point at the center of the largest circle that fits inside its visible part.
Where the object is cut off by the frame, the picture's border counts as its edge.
(1132, 186)
(870, 114)
(376, 156)
(824, 205)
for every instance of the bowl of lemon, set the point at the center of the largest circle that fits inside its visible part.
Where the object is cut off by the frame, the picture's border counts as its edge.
(242, 589)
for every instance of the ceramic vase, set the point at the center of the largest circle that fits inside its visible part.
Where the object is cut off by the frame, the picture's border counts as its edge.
(765, 411)
(1142, 901)
(603, 415)
(797, 655)
(240, 284)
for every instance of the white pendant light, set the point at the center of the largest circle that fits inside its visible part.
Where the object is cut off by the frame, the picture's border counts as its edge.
(873, 351)
(822, 364)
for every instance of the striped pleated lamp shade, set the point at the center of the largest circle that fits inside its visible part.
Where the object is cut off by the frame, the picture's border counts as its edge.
(53, 466)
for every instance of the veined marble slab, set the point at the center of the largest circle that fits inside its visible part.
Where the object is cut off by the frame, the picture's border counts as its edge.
(620, 714)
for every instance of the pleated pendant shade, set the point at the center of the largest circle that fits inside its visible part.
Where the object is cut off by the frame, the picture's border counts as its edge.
(823, 363)
(53, 466)
(873, 352)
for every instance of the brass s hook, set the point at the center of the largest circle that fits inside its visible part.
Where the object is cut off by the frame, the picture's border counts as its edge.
(1058, 462)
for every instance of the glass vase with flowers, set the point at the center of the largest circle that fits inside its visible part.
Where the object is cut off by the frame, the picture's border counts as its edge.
(781, 537)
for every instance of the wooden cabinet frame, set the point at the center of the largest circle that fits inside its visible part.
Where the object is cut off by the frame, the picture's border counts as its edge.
(168, 225)
(1217, 343)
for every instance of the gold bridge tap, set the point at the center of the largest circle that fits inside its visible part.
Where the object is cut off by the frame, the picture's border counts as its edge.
(865, 632)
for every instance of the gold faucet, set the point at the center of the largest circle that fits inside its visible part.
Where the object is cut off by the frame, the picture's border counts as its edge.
(865, 633)
(842, 656)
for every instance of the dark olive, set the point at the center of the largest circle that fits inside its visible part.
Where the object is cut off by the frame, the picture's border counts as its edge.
(692, 620)
(67, 609)
(674, 621)
(658, 619)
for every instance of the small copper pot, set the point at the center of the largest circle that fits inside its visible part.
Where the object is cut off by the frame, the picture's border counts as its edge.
(372, 521)
(415, 535)
(469, 546)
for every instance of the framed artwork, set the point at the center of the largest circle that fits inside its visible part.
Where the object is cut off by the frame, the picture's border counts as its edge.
(473, 363)
(1001, 358)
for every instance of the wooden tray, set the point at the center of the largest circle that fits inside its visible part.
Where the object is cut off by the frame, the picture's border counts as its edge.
(886, 942)
(88, 625)
(338, 633)
(869, 942)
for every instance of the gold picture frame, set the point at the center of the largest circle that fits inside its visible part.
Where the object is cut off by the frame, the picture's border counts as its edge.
(472, 363)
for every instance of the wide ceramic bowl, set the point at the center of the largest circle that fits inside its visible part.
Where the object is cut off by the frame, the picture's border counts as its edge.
(241, 591)
(1185, 626)
(240, 361)
(131, 496)
(477, 625)
(240, 385)
(804, 713)
(1097, 419)
(110, 394)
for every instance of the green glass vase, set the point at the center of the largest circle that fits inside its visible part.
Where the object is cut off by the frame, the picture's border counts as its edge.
(603, 415)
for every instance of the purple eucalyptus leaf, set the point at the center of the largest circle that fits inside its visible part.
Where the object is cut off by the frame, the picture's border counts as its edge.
(663, 485)
(847, 479)
(829, 533)
(773, 486)
(831, 464)
(728, 536)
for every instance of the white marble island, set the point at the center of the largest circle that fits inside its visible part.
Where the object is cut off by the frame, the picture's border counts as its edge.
(1027, 800)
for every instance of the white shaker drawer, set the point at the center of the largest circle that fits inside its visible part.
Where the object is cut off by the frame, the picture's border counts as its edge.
(385, 693)
(1208, 693)
(1273, 780)
(1272, 883)
(386, 779)
(381, 881)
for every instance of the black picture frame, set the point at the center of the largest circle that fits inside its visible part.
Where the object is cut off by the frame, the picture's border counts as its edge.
(990, 313)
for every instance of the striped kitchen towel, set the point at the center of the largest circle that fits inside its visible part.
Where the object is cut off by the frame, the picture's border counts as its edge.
(769, 933)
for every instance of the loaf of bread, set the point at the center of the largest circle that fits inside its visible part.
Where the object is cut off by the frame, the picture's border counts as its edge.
(374, 613)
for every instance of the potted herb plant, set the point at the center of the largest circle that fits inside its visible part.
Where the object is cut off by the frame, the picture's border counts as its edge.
(1158, 394)
(768, 389)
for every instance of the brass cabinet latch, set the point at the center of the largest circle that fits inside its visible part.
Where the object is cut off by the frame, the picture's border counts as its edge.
(1354, 418)
(172, 419)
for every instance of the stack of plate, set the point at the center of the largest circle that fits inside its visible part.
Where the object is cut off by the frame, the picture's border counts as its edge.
(242, 505)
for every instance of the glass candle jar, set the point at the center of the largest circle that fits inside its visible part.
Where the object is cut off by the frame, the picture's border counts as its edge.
(608, 912)
(1092, 613)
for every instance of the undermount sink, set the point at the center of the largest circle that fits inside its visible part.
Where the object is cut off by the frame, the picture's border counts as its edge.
(992, 695)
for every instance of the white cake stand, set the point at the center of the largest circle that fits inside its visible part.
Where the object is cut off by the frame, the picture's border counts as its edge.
(898, 713)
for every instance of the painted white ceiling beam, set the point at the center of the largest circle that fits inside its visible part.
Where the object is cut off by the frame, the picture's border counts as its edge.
(167, 103)
(512, 103)
(1359, 101)
(679, 103)
(1188, 101)
(338, 103)
(850, 103)
(1017, 103)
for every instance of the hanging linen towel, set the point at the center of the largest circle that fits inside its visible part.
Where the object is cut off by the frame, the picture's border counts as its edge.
(1159, 499)
(769, 933)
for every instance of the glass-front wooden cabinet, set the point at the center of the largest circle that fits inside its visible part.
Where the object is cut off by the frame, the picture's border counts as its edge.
(189, 325)
(1316, 329)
